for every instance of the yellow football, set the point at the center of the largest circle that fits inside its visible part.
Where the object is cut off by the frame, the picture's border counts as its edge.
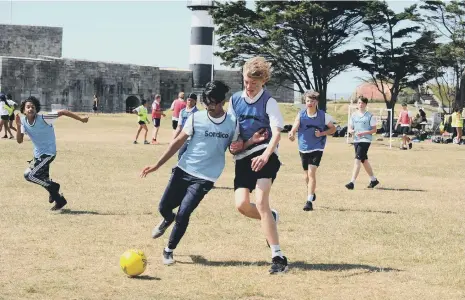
(133, 262)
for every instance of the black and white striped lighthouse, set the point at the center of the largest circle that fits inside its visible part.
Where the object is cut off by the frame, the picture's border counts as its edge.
(201, 47)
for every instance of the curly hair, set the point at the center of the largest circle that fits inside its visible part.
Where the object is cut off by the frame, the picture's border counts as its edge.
(33, 100)
(214, 92)
(257, 68)
(311, 94)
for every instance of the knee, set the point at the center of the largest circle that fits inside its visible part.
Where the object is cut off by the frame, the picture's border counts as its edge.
(182, 217)
(242, 205)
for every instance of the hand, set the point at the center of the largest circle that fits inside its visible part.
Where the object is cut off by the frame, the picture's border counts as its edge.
(236, 146)
(259, 136)
(291, 136)
(350, 131)
(85, 119)
(147, 170)
(18, 121)
(318, 133)
(360, 134)
(259, 162)
(163, 115)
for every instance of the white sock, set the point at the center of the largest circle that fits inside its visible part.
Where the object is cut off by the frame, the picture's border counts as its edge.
(168, 249)
(372, 178)
(352, 180)
(310, 197)
(276, 251)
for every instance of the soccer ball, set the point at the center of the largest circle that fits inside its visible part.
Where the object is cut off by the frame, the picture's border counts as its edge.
(133, 262)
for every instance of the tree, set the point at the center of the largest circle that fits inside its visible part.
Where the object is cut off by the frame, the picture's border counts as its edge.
(302, 39)
(394, 50)
(448, 20)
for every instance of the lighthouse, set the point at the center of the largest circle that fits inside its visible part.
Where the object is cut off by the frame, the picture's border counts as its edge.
(201, 45)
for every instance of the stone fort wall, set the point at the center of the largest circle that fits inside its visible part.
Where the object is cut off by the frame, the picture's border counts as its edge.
(31, 65)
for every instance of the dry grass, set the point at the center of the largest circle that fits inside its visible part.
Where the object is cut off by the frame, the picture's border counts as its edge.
(403, 240)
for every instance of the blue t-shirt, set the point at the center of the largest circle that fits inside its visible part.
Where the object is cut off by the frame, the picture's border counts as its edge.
(41, 133)
(205, 155)
(308, 142)
(184, 114)
(362, 123)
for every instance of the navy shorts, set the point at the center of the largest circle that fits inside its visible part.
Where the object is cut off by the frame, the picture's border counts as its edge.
(156, 122)
(246, 178)
(174, 124)
(311, 158)
(361, 151)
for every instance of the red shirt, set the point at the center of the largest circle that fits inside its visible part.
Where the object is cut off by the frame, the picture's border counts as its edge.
(156, 110)
(177, 106)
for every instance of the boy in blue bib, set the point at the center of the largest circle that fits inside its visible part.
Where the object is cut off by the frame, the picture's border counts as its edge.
(310, 125)
(40, 130)
(211, 131)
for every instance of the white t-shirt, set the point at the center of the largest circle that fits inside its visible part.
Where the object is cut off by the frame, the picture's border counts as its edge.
(187, 129)
(273, 112)
(3, 111)
(48, 118)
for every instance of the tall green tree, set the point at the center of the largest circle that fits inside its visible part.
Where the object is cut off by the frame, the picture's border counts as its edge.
(303, 40)
(448, 21)
(394, 50)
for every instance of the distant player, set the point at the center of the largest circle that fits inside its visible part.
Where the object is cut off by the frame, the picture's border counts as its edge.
(310, 125)
(157, 113)
(405, 122)
(362, 125)
(211, 132)
(191, 108)
(6, 109)
(142, 120)
(40, 130)
(177, 105)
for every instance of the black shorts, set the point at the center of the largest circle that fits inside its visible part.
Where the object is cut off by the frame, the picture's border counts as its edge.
(404, 130)
(156, 122)
(246, 178)
(311, 158)
(141, 123)
(174, 124)
(12, 117)
(361, 151)
(5, 117)
(94, 108)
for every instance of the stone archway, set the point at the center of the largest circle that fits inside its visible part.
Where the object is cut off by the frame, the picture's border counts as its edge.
(131, 103)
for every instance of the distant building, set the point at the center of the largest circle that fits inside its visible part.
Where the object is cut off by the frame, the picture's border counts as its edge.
(31, 63)
(370, 91)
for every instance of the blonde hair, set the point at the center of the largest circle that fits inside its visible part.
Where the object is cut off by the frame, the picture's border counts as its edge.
(181, 95)
(257, 68)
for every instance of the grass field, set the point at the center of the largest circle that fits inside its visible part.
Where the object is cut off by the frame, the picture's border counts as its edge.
(403, 240)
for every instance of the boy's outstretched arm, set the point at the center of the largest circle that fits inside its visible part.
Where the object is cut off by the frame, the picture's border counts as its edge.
(19, 134)
(295, 127)
(72, 115)
(174, 146)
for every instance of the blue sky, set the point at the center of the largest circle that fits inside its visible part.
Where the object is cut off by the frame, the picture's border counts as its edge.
(155, 33)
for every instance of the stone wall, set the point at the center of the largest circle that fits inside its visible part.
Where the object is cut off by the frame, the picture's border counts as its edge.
(73, 83)
(30, 41)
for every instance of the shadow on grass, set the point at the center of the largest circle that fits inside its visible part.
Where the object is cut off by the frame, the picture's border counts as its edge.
(399, 190)
(198, 259)
(90, 212)
(145, 277)
(388, 212)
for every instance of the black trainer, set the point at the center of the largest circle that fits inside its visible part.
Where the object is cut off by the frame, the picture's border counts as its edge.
(168, 257)
(309, 205)
(275, 214)
(160, 229)
(59, 203)
(350, 186)
(410, 145)
(278, 265)
(373, 183)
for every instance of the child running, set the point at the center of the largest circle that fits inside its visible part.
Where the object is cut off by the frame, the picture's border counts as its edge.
(191, 108)
(143, 120)
(257, 166)
(211, 132)
(363, 125)
(40, 130)
(10, 101)
(310, 125)
(157, 113)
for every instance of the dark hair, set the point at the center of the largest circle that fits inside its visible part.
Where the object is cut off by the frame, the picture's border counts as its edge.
(192, 96)
(364, 99)
(214, 92)
(8, 96)
(33, 100)
(3, 99)
(143, 101)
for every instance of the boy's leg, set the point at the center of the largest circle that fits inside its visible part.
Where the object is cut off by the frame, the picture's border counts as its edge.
(172, 197)
(268, 224)
(243, 205)
(138, 131)
(146, 131)
(244, 183)
(38, 173)
(195, 192)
